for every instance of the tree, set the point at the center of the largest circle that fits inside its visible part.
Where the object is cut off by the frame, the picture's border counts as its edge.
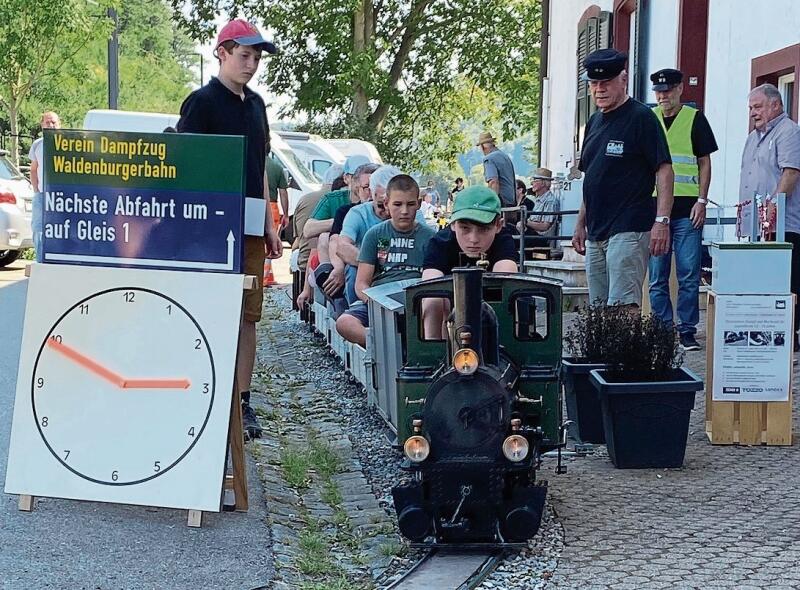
(365, 66)
(37, 40)
(155, 68)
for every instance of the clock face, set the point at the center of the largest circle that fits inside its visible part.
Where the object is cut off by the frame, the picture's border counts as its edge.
(140, 369)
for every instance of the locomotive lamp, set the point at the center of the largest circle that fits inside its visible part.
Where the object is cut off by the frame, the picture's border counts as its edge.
(465, 361)
(515, 448)
(417, 448)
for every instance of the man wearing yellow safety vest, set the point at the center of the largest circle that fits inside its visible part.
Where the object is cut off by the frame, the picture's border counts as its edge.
(691, 143)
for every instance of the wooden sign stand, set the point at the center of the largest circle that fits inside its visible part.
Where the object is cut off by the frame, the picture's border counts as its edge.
(236, 481)
(743, 423)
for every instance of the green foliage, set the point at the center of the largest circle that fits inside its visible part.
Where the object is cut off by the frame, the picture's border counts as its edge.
(634, 346)
(416, 79)
(155, 65)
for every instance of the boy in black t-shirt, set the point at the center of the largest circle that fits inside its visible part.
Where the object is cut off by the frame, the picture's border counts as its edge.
(476, 230)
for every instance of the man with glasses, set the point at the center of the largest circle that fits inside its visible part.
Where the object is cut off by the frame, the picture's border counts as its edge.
(624, 157)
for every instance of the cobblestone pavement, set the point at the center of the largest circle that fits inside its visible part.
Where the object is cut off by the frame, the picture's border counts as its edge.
(328, 528)
(727, 519)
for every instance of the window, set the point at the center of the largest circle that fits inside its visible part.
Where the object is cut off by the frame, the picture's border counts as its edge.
(786, 88)
(531, 317)
(779, 68)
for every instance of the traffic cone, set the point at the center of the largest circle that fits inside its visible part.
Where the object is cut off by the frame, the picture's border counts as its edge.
(269, 278)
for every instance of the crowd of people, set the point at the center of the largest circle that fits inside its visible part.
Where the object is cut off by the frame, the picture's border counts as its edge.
(646, 171)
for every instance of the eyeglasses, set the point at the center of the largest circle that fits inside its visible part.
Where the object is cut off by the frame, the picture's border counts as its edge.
(365, 187)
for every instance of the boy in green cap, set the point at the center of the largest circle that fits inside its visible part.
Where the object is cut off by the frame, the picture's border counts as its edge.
(476, 230)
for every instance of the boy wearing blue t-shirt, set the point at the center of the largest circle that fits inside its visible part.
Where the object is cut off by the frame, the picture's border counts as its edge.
(390, 251)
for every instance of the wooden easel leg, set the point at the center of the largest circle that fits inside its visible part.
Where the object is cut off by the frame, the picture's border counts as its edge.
(236, 442)
(25, 503)
(195, 519)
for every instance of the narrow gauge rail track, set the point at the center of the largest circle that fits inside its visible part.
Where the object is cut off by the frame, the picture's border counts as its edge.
(439, 569)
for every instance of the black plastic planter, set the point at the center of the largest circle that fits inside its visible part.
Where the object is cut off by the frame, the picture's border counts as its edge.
(647, 423)
(583, 403)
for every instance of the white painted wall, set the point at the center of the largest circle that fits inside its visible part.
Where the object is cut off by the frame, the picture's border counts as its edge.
(558, 124)
(662, 35)
(737, 34)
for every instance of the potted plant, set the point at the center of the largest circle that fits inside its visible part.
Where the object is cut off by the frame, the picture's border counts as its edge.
(584, 340)
(645, 394)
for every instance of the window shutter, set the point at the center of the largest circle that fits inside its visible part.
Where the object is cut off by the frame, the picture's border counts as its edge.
(593, 35)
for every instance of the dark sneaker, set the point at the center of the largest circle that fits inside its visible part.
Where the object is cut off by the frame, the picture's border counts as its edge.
(250, 423)
(688, 342)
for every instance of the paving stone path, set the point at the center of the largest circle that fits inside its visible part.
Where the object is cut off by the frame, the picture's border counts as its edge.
(727, 519)
(328, 528)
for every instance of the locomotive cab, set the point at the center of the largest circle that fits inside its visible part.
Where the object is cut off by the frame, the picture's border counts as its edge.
(475, 438)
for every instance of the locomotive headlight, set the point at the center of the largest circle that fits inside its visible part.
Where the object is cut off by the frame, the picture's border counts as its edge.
(515, 448)
(417, 448)
(465, 361)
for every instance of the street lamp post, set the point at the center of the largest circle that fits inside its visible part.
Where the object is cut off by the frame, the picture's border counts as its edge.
(113, 62)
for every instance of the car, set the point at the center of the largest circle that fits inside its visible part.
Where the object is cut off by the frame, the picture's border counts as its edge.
(16, 204)
(316, 153)
(352, 147)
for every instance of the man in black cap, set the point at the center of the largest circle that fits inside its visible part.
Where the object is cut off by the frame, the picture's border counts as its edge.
(624, 155)
(691, 143)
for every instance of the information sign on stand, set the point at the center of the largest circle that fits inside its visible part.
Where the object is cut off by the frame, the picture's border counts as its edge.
(126, 386)
(749, 324)
(146, 200)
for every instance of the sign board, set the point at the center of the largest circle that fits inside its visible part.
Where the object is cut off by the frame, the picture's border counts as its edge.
(752, 348)
(124, 386)
(150, 200)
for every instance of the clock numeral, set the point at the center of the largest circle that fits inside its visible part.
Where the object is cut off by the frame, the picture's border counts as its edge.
(129, 296)
(45, 422)
(191, 431)
(157, 466)
(169, 309)
(205, 387)
(84, 309)
(197, 343)
(66, 454)
(40, 383)
(114, 475)
(57, 338)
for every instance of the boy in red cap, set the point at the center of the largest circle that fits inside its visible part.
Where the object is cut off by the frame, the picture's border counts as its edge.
(226, 106)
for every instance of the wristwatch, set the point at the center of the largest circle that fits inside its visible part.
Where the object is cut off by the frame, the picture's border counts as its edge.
(702, 201)
(662, 219)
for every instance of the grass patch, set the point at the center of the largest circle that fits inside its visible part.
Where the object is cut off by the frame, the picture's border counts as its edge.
(338, 583)
(392, 549)
(269, 415)
(28, 254)
(331, 494)
(295, 468)
(325, 461)
(314, 559)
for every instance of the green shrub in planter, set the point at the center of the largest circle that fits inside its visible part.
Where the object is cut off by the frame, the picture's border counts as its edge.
(646, 398)
(585, 343)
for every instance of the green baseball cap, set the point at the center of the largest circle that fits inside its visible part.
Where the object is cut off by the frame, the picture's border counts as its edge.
(476, 203)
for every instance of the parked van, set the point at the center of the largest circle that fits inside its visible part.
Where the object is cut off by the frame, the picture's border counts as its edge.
(351, 147)
(316, 153)
(300, 178)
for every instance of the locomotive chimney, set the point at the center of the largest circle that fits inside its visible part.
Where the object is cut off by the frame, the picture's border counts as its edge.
(467, 304)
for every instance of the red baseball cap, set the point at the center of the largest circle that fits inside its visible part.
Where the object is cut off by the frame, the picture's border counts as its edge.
(244, 33)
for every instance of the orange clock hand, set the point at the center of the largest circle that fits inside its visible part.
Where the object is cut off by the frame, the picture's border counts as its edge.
(156, 384)
(85, 362)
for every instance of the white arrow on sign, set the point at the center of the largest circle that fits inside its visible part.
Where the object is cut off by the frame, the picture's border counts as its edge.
(228, 265)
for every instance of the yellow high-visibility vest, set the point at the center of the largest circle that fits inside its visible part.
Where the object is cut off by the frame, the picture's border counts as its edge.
(684, 162)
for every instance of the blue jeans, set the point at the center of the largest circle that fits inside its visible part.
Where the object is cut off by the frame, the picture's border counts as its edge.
(350, 284)
(687, 245)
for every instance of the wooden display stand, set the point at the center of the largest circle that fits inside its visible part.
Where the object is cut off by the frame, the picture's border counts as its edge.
(744, 423)
(235, 480)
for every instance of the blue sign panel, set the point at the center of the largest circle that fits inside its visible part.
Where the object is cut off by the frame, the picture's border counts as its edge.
(178, 205)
